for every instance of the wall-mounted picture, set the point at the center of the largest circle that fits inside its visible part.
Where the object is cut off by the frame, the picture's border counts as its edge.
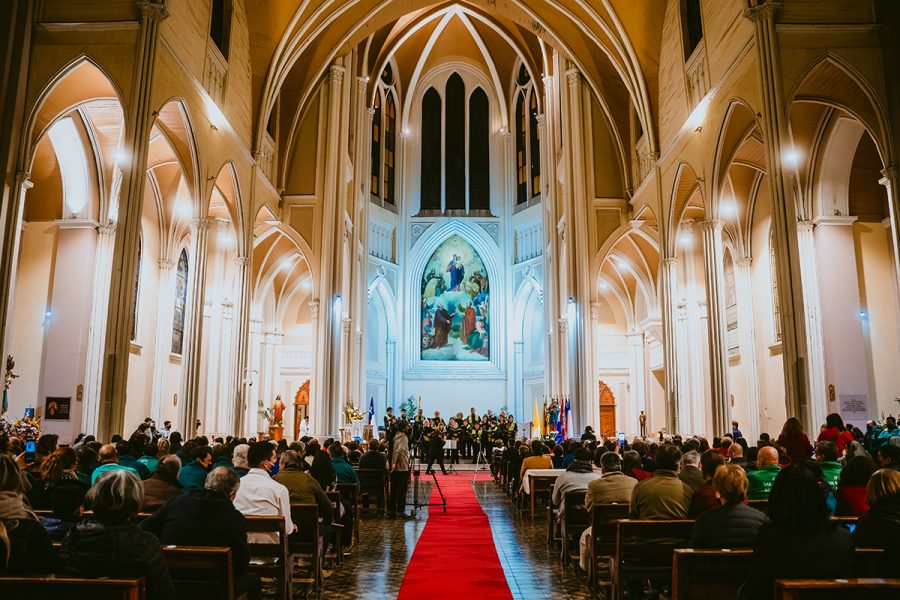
(57, 408)
(455, 315)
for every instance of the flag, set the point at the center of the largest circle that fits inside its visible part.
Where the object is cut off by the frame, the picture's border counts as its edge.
(5, 402)
(371, 409)
(536, 421)
(567, 416)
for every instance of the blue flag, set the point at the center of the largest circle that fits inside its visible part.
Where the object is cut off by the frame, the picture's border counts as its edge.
(371, 409)
(5, 403)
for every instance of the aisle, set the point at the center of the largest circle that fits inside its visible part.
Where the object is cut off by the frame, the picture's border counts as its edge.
(455, 557)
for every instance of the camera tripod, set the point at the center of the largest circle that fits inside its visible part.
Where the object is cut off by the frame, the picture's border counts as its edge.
(417, 469)
(480, 462)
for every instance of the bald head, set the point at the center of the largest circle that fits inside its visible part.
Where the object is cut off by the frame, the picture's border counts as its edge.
(735, 451)
(108, 454)
(767, 456)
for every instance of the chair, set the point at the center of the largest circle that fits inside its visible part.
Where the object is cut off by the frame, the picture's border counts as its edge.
(350, 495)
(275, 556)
(603, 535)
(835, 589)
(72, 589)
(373, 484)
(702, 574)
(644, 550)
(307, 541)
(201, 571)
(540, 486)
(573, 523)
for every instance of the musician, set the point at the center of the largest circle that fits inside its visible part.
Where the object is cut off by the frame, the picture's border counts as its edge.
(437, 419)
(436, 451)
(475, 433)
(454, 433)
(509, 429)
(471, 441)
(487, 436)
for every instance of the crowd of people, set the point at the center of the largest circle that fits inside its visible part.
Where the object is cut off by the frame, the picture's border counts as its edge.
(198, 492)
(846, 472)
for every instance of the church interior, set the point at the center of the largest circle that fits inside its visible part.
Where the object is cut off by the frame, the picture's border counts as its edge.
(659, 217)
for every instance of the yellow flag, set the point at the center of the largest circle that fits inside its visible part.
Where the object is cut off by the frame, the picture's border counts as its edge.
(536, 421)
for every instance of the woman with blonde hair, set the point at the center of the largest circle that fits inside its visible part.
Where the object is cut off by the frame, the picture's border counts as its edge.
(880, 527)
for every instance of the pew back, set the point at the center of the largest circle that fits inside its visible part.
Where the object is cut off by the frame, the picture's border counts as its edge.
(200, 571)
(72, 589)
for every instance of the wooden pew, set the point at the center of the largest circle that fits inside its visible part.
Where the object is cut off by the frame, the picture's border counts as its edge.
(644, 550)
(603, 535)
(760, 505)
(201, 572)
(275, 555)
(307, 541)
(72, 589)
(835, 589)
(373, 483)
(350, 496)
(574, 521)
(702, 574)
(337, 528)
(540, 485)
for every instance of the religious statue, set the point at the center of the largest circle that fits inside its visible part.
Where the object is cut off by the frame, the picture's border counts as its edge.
(7, 381)
(553, 413)
(643, 421)
(277, 411)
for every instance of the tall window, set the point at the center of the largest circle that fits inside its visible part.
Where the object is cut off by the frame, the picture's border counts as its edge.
(375, 186)
(137, 289)
(455, 144)
(528, 139)
(776, 301)
(431, 151)
(691, 26)
(479, 152)
(384, 140)
(220, 25)
(181, 287)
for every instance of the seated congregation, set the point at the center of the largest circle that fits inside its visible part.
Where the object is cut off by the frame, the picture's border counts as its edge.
(231, 518)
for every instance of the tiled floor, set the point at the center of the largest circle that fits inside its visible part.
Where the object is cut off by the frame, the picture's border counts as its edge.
(378, 564)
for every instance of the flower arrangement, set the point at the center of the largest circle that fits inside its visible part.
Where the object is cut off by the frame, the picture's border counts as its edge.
(352, 413)
(23, 428)
(267, 414)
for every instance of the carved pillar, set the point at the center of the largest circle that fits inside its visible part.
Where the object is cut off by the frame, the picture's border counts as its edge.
(10, 258)
(391, 383)
(638, 384)
(97, 329)
(784, 215)
(669, 289)
(162, 343)
(242, 398)
(518, 403)
(138, 122)
(743, 284)
(194, 329)
(815, 339)
(890, 181)
(713, 257)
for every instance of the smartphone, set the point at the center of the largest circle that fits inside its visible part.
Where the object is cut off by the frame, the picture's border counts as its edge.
(30, 447)
(621, 438)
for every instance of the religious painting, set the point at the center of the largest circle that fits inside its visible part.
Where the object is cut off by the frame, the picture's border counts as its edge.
(455, 318)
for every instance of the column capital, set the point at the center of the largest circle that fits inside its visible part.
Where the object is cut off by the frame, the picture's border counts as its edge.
(595, 311)
(635, 338)
(519, 345)
(761, 12)
(314, 309)
(805, 225)
(670, 261)
(563, 325)
(165, 264)
(391, 346)
(153, 11)
(888, 175)
(573, 76)
(345, 324)
(711, 224)
(242, 261)
(745, 262)
(336, 74)
(23, 179)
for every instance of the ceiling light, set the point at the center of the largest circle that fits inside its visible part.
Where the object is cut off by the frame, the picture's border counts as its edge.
(791, 157)
(685, 239)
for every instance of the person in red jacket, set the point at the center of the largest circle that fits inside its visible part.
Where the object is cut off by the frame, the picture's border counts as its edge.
(794, 441)
(835, 432)
(851, 491)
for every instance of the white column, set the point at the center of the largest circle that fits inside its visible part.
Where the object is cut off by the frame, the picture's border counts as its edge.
(713, 256)
(270, 369)
(252, 383)
(518, 399)
(815, 340)
(194, 326)
(637, 381)
(889, 181)
(685, 403)
(391, 384)
(16, 210)
(97, 332)
(747, 333)
(225, 401)
(162, 346)
(669, 285)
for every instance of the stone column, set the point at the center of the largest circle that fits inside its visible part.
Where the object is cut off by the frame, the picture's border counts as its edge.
(713, 257)
(815, 339)
(518, 374)
(270, 369)
(138, 122)
(743, 284)
(97, 329)
(890, 181)
(9, 261)
(162, 345)
(391, 383)
(242, 398)
(638, 384)
(194, 329)
(784, 213)
(669, 287)
(68, 321)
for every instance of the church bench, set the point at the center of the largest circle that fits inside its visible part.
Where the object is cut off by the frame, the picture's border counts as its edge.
(72, 588)
(835, 589)
(336, 527)
(270, 558)
(541, 486)
(701, 574)
(201, 571)
(350, 498)
(307, 541)
(373, 485)
(644, 550)
(760, 505)
(603, 535)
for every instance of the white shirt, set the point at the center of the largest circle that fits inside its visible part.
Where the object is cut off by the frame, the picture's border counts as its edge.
(260, 495)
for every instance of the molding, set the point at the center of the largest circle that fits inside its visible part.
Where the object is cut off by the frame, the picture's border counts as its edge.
(89, 27)
(77, 224)
(835, 220)
(153, 11)
(762, 12)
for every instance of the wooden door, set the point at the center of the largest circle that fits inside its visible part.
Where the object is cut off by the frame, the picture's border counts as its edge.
(607, 411)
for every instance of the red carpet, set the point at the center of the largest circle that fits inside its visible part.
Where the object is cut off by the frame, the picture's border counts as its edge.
(455, 556)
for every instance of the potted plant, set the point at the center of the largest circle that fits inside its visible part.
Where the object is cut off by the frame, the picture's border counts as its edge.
(273, 417)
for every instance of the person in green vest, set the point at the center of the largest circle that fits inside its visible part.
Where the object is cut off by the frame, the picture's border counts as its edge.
(827, 456)
(767, 469)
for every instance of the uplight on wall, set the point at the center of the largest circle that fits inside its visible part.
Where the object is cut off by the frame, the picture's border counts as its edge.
(73, 165)
(686, 239)
(791, 157)
(698, 115)
(214, 114)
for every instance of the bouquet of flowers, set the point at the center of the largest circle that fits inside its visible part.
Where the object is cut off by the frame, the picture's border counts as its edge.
(352, 413)
(23, 428)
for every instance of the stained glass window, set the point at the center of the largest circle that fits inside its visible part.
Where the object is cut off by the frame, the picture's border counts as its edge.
(181, 287)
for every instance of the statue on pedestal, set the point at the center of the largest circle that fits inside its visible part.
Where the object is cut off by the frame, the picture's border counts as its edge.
(643, 421)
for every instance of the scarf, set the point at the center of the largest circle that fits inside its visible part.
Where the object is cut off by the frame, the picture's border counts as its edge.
(12, 507)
